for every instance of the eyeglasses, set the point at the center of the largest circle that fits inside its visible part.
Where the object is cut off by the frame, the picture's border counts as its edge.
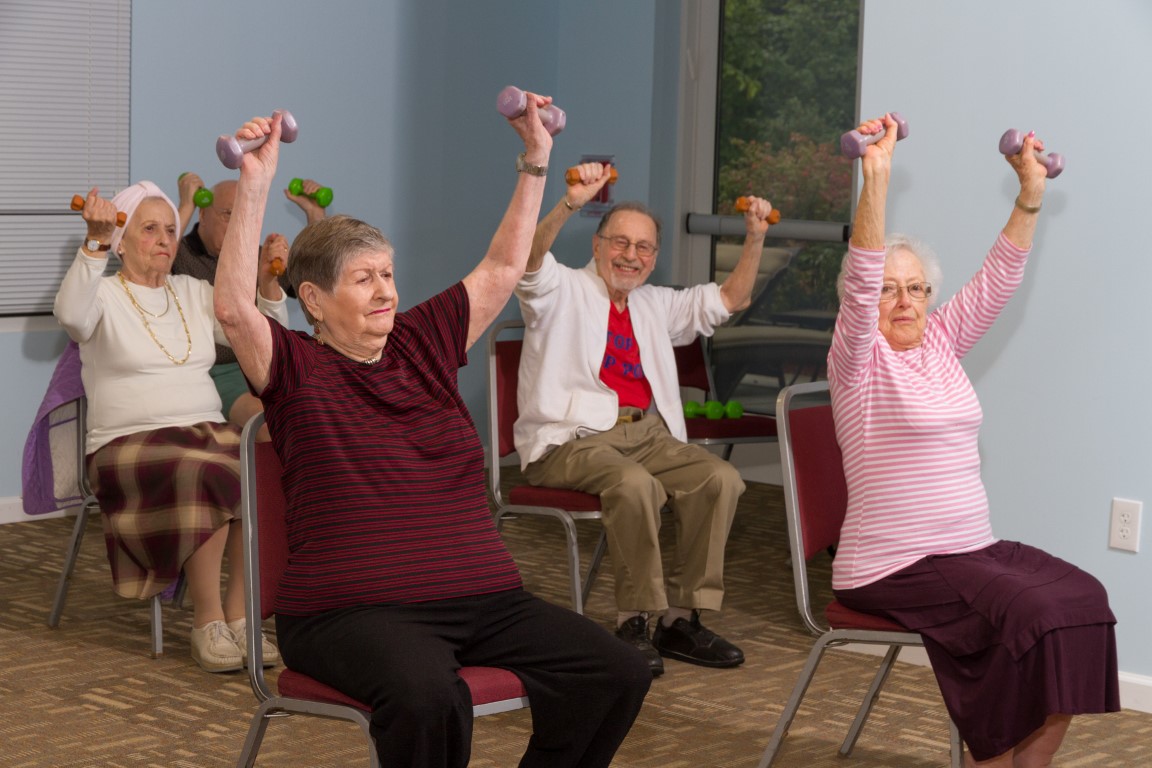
(621, 244)
(915, 291)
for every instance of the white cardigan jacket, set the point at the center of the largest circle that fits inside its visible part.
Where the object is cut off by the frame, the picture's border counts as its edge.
(565, 310)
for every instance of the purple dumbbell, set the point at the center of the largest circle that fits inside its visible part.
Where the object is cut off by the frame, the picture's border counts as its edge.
(853, 143)
(231, 150)
(511, 102)
(1013, 141)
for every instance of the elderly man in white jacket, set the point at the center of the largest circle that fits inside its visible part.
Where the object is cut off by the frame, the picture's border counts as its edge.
(600, 412)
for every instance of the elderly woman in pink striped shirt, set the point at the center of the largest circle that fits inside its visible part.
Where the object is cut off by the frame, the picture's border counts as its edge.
(1019, 640)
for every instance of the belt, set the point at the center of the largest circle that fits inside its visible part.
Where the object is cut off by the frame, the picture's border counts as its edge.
(629, 418)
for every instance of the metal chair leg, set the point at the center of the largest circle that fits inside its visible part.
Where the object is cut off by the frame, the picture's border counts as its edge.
(157, 627)
(597, 560)
(71, 554)
(878, 681)
(793, 705)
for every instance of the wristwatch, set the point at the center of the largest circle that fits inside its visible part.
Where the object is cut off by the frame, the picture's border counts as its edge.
(523, 166)
(92, 245)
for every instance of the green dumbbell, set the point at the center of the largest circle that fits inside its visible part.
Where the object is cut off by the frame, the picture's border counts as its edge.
(733, 409)
(322, 196)
(693, 409)
(714, 409)
(202, 198)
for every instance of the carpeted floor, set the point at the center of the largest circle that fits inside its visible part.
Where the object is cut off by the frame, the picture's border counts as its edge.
(87, 694)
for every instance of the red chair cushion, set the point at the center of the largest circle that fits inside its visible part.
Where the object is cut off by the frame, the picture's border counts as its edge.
(488, 684)
(573, 501)
(749, 426)
(841, 617)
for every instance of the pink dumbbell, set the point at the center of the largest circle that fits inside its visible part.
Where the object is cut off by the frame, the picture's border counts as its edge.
(1013, 141)
(511, 102)
(853, 143)
(231, 150)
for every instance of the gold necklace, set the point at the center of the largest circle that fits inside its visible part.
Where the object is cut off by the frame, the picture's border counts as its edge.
(144, 313)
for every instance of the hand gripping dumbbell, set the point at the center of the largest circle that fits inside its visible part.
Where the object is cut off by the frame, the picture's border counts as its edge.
(572, 175)
(853, 143)
(322, 196)
(231, 150)
(201, 198)
(511, 102)
(1013, 141)
(77, 204)
(744, 203)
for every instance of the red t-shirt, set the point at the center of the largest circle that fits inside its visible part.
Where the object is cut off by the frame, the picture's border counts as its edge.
(383, 469)
(622, 370)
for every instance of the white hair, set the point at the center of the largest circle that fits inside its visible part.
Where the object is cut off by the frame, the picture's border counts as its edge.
(929, 262)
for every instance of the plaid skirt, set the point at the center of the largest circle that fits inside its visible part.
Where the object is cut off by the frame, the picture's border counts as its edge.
(162, 494)
(1013, 633)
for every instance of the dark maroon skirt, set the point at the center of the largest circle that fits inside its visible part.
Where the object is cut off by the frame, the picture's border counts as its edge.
(1013, 634)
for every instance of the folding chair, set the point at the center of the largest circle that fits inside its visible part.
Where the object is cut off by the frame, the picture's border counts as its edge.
(815, 500)
(76, 411)
(265, 558)
(695, 373)
(523, 499)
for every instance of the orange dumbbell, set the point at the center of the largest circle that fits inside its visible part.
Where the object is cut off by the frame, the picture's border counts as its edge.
(276, 267)
(744, 203)
(572, 176)
(78, 205)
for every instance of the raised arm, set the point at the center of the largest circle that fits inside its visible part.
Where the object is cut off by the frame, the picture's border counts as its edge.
(736, 291)
(1021, 226)
(876, 167)
(490, 284)
(239, 270)
(593, 177)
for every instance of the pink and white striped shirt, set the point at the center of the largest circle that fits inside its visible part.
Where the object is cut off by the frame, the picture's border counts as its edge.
(908, 422)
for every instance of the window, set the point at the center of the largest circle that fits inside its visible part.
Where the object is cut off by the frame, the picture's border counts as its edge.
(64, 128)
(787, 78)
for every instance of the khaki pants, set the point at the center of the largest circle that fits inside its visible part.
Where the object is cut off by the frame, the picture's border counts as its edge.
(636, 468)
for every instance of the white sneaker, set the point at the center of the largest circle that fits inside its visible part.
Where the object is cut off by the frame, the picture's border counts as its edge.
(215, 649)
(268, 649)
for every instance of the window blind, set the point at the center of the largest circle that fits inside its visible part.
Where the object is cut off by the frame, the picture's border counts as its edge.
(64, 128)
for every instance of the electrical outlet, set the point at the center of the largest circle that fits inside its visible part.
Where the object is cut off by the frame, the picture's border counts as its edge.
(1124, 531)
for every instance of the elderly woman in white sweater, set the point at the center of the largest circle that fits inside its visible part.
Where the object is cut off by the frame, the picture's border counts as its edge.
(162, 460)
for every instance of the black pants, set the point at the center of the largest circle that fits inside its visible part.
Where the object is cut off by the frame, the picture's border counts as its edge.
(585, 686)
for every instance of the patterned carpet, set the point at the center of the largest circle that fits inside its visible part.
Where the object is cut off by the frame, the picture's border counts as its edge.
(88, 694)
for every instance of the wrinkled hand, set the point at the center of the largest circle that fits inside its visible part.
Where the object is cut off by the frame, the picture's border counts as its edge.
(100, 216)
(261, 162)
(312, 210)
(188, 184)
(1032, 173)
(593, 177)
(756, 217)
(537, 140)
(878, 156)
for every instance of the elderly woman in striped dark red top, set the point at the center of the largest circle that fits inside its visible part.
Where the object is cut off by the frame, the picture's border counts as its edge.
(1019, 640)
(397, 575)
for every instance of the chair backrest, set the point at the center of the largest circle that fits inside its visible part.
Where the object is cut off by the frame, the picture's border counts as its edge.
(815, 492)
(503, 377)
(692, 367)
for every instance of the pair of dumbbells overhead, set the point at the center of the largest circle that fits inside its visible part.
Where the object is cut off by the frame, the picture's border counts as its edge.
(853, 145)
(713, 409)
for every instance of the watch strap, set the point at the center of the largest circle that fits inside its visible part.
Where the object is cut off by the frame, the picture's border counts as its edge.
(523, 166)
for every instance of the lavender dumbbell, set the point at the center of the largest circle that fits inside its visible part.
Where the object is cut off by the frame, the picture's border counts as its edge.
(853, 143)
(511, 102)
(1013, 141)
(231, 150)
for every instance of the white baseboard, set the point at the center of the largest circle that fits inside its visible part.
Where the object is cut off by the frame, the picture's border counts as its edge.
(12, 511)
(1135, 690)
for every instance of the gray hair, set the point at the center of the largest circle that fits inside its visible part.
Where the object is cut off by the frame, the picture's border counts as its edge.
(321, 250)
(929, 262)
(635, 207)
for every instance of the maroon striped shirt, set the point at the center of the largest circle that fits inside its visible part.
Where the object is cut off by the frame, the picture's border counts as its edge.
(383, 469)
